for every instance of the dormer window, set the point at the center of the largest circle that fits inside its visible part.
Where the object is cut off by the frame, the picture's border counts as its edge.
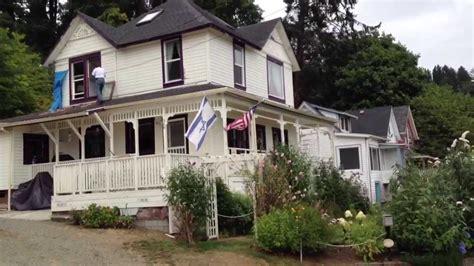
(344, 123)
(276, 85)
(81, 79)
(239, 66)
(172, 54)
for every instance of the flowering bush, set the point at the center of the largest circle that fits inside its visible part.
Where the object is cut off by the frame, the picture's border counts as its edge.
(364, 232)
(286, 229)
(282, 179)
(189, 195)
(335, 192)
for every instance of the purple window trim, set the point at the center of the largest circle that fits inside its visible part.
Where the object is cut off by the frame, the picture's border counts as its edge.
(278, 62)
(163, 56)
(82, 58)
(236, 85)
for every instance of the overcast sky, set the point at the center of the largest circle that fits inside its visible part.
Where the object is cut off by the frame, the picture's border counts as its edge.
(440, 31)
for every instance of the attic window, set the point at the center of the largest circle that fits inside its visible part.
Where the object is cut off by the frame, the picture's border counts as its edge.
(149, 17)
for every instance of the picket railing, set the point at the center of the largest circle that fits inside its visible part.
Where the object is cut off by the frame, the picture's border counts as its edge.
(39, 168)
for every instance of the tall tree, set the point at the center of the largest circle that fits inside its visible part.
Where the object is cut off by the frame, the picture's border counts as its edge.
(25, 86)
(42, 20)
(466, 82)
(379, 72)
(11, 14)
(441, 115)
(235, 12)
(315, 29)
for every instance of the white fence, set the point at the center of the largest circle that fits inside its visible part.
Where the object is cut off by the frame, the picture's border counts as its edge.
(39, 168)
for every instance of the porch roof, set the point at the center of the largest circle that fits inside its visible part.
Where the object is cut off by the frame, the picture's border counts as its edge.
(195, 90)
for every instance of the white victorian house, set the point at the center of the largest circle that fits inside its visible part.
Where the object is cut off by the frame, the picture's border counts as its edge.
(369, 143)
(159, 67)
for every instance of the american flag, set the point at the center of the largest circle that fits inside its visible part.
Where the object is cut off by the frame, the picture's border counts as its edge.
(242, 122)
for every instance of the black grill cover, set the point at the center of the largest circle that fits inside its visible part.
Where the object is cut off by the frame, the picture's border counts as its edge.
(34, 194)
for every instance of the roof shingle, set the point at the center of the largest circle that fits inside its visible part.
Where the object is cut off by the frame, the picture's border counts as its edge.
(372, 121)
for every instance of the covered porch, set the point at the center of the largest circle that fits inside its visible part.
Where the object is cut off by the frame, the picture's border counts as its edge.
(119, 155)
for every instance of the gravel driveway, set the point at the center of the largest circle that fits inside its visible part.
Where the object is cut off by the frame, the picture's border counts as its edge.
(49, 243)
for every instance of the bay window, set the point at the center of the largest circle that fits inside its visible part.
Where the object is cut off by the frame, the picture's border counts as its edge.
(172, 55)
(276, 86)
(81, 79)
(239, 66)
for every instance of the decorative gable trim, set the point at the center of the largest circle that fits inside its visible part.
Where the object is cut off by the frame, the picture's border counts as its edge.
(82, 31)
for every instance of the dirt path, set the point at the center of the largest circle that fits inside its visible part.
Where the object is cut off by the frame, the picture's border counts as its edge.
(48, 243)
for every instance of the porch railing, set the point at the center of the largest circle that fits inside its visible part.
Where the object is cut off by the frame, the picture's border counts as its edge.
(39, 168)
(105, 175)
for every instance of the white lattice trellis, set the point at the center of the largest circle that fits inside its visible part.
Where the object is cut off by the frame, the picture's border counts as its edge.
(212, 223)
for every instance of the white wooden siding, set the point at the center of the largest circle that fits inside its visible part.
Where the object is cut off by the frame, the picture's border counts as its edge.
(256, 72)
(4, 160)
(221, 59)
(317, 144)
(139, 69)
(195, 57)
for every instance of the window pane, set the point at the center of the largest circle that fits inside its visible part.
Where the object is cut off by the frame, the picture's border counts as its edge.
(78, 75)
(174, 70)
(349, 158)
(238, 75)
(173, 50)
(176, 133)
(78, 69)
(35, 149)
(374, 159)
(275, 79)
(95, 142)
(238, 56)
(92, 63)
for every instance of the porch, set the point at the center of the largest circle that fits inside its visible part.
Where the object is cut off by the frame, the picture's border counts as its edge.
(121, 155)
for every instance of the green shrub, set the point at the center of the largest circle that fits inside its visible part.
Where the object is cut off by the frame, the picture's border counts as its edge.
(336, 193)
(233, 204)
(104, 217)
(426, 216)
(368, 232)
(76, 217)
(285, 229)
(189, 195)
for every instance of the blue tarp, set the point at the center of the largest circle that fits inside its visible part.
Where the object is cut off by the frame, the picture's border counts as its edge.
(57, 91)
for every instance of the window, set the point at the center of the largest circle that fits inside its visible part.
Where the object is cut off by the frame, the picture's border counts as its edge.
(344, 123)
(146, 138)
(95, 142)
(276, 134)
(35, 149)
(375, 159)
(378, 192)
(149, 17)
(239, 66)
(177, 142)
(349, 158)
(238, 139)
(81, 79)
(172, 62)
(261, 138)
(276, 87)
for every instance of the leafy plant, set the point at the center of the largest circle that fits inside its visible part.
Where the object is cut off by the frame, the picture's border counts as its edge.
(104, 217)
(189, 195)
(233, 204)
(337, 193)
(286, 229)
(367, 234)
(282, 178)
(426, 218)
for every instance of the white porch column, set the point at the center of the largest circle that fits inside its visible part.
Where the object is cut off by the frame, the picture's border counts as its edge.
(56, 135)
(282, 130)
(111, 139)
(223, 112)
(298, 133)
(165, 141)
(137, 149)
(83, 156)
(253, 135)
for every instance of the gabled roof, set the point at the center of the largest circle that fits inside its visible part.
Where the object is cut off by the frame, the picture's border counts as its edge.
(178, 16)
(401, 115)
(374, 121)
(317, 108)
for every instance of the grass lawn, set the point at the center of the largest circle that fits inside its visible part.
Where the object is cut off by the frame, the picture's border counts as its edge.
(233, 251)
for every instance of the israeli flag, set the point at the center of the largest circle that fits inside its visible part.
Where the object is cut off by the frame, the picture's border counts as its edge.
(204, 120)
